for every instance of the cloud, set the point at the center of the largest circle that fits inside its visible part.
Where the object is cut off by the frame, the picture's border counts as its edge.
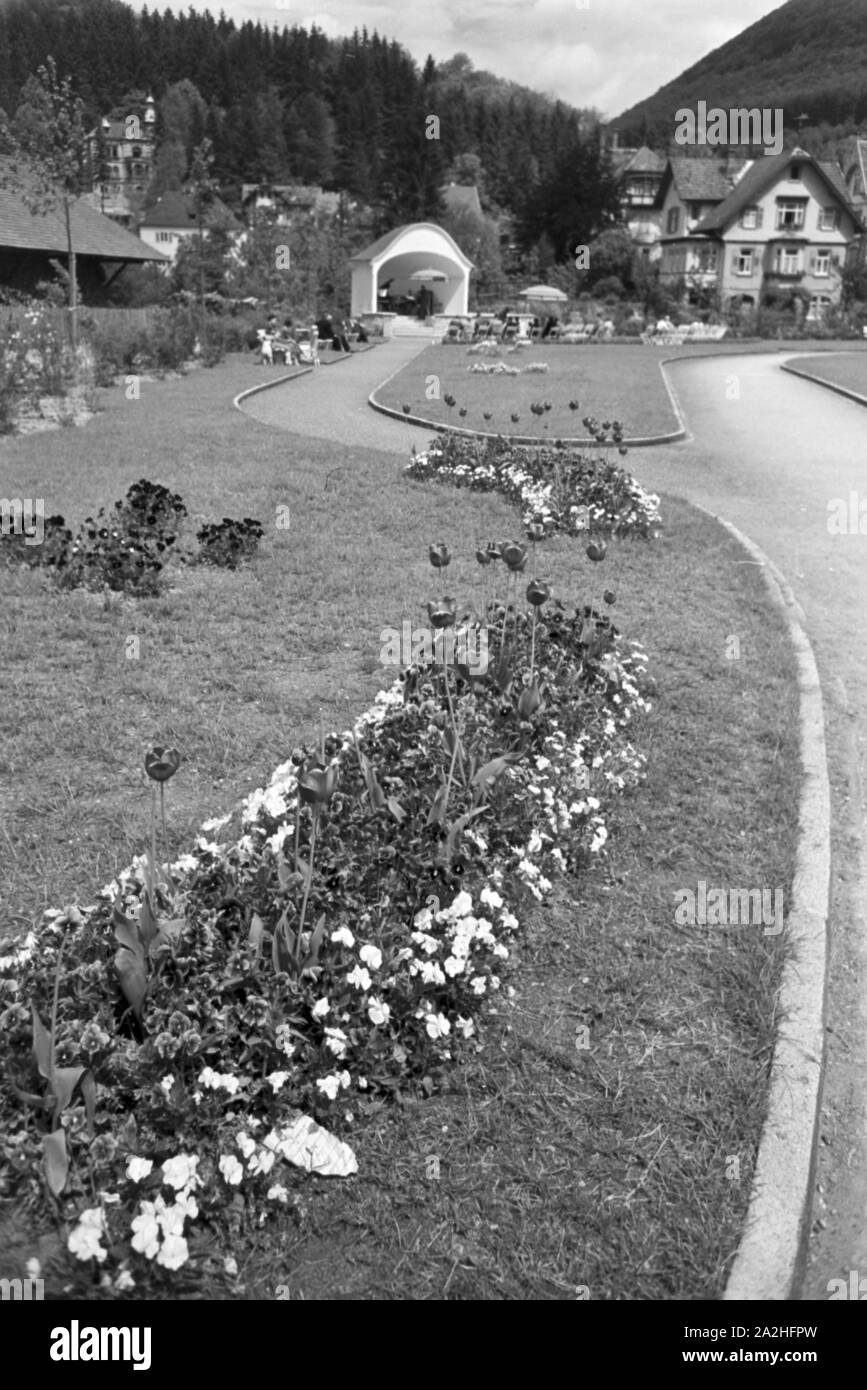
(609, 55)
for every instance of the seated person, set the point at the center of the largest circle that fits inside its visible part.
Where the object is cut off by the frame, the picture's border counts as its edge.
(340, 342)
(325, 329)
(356, 327)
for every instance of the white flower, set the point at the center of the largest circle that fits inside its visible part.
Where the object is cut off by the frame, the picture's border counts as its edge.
(146, 1238)
(231, 1169)
(437, 1026)
(283, 1035)
(490, 898)
(230, 1265)
(262, 1162)
(378, 1012)
(343, 936)
(345, 1079)
(277, 1079)
(84, 1240)
(174, 1252)
(335, 1041)
(462, 904)
(359, 977)
(277, 1193)
(167, 1083)
(320, 1008)
(245, 1144)
(329, 1086)
(466, 1026)
(431, 973)
(478, 984)
(180, 1172)
(124, 1281)
(138, 1168)
(454, 966)
(372, 956)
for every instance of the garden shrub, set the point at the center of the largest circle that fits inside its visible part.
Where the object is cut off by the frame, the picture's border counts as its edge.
(226, 543)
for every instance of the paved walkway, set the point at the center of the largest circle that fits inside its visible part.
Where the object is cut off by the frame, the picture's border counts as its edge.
(331, 403)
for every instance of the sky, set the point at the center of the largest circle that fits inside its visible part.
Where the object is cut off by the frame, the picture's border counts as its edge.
(602, 53)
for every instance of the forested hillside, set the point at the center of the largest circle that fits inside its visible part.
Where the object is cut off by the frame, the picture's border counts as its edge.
(808, 57)
(294, 105)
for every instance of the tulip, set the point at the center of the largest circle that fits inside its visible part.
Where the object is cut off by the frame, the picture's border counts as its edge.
(440, 556)
(443, 613)
(609, 596)
(514, 417)
(449, 400)
(486, 415)
(318, 785)
(162, 763)
(405, 408)
(515, 555)
(484, 557)
(535, 531)
(529, 700)
(538, 592)
(596, 550)
(495, 551)
(463, 412)
(574, 405)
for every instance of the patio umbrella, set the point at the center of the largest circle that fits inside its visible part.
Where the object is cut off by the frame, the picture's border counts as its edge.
(546, 294)
(430, 274)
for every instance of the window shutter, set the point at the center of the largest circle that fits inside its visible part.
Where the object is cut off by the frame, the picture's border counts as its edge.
(812, 264)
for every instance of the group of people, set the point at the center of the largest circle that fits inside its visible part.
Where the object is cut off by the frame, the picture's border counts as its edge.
(282, 340)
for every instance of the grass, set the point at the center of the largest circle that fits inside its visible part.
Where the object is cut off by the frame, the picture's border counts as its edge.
(615, 382)
(559, 1167)
(844, 369)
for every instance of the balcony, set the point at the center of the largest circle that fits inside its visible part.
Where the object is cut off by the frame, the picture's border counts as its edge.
(784, 277)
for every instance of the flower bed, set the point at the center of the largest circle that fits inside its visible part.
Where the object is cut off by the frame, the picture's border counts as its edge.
(560, 487)
(171, 1045)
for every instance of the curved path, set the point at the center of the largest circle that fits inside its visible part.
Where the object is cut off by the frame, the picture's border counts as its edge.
(768, 451)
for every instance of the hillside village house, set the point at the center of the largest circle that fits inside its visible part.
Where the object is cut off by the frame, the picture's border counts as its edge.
(172, 218)
(639, 175)
(123, 172)
(289, 201)
(782, 221)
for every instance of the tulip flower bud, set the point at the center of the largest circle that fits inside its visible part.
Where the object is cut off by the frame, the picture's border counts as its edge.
(538, 592)
(442, 614)
(318, 785)
(495, 551)
(515, 555)
(514, 417)
(405, 408)
(596, 550)
(535, 531)
(162, 763)
(440, 556)
(483, 557)
(529, 701)
(610, 596)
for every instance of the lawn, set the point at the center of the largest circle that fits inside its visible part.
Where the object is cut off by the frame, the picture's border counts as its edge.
(609, 382)
(848, 369)
(557, 1168)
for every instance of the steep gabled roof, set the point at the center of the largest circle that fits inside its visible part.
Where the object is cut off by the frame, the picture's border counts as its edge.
(696, 180)
(177, 209)
(92, 233)
(644, 161)
(761, 176)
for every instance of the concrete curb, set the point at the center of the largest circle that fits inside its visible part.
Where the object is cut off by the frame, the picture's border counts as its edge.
(769, 1263)
(829, 385)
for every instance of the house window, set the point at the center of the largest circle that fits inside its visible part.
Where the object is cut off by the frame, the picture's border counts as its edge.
(819, 303)
(822, 262)
(751, 217)
(790, 212)
(744, 261)
(673, 222)
(165, 236)
(787, 260)
(827, 219)
(705, 259)
(796, 172)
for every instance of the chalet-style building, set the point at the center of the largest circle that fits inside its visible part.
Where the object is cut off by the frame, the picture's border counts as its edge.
(639, 175)
(122, 159)
(173, 217)
(780, 221)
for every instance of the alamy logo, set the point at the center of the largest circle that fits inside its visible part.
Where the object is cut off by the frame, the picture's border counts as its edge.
(730, 908)
(76, 1343)
(25, 518)
(856, 1289)
(445, 646)
(740, 126)
(13, 1290)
